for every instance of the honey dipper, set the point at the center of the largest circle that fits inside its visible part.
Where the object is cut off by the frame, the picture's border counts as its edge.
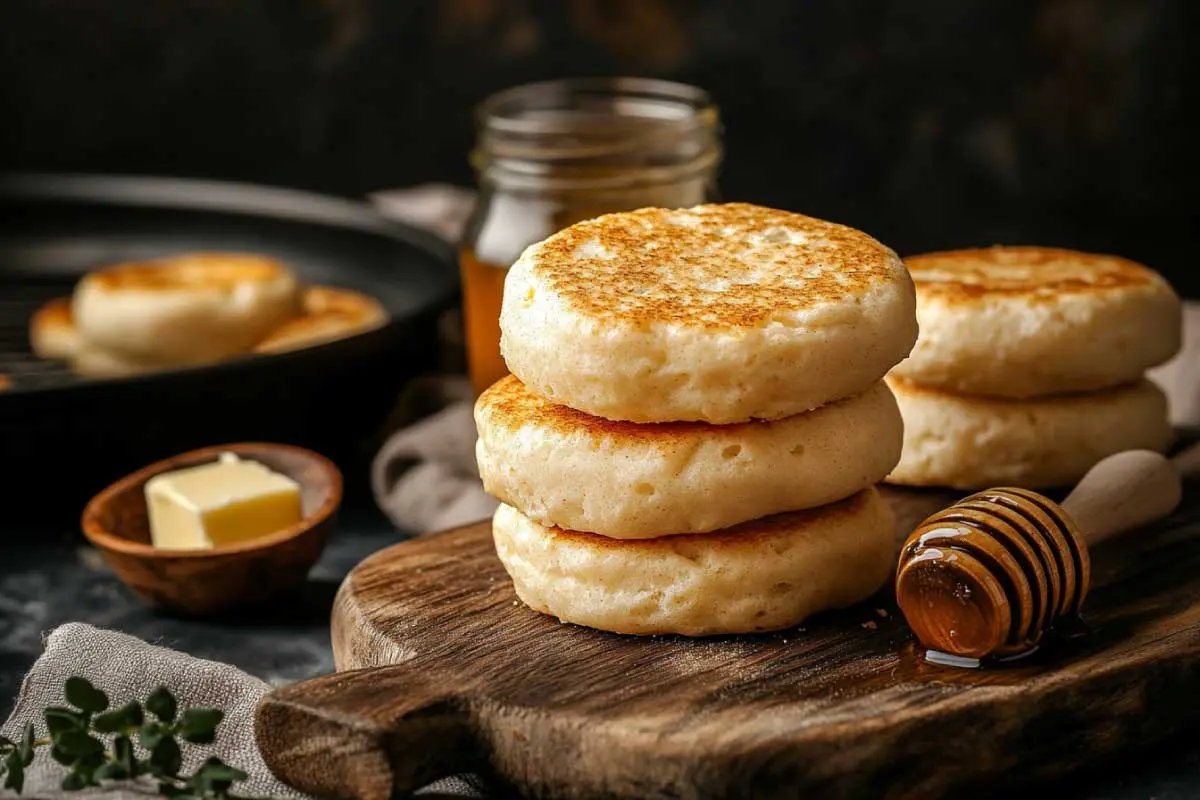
(989, 575)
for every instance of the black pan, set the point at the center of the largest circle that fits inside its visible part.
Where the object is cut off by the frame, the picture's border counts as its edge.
(62, 438)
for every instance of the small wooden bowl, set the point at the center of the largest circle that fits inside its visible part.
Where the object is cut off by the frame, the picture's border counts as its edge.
(208, 582)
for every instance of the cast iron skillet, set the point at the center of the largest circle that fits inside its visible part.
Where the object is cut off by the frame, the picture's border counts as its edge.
(63, 438)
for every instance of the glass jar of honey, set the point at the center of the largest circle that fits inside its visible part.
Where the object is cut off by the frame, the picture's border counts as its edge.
(551, 154)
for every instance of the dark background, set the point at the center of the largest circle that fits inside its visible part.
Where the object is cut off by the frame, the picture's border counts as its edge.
(929, 123)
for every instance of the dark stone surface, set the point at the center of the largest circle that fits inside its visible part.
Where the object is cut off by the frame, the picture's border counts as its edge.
(55, 577)
(928, 123)
(51, 578)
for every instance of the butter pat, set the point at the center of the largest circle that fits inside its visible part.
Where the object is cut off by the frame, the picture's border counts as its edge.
(223, 503)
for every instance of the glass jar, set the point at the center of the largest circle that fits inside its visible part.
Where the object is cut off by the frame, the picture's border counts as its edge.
(551, 154)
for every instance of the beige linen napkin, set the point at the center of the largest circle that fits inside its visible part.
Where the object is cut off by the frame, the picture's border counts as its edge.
(126, 668)
(1180, 377)
(425, 478)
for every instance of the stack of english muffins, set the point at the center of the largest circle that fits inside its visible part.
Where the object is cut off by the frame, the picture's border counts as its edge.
(696, 419)
(1030, 366)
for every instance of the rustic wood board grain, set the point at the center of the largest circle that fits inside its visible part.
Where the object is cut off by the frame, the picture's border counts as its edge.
(461, 677)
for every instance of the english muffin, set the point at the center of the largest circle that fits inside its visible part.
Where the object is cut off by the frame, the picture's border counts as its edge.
(564, 468)
(194, 308)
(52, 331)
(328, 314)
(718, 313)
(53, 335)
(1028, 321)
(90, 361)
(764, 575)
(969, 442)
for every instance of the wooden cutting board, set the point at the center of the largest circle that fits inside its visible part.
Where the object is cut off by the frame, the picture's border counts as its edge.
(462, 677)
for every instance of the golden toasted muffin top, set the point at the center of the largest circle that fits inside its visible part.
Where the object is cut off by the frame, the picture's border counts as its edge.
(189, 271)
(1034, 272)
(510, 404)
(328, 313)
(726, 265)
(743, 536)
(330, 299)
(54, 314)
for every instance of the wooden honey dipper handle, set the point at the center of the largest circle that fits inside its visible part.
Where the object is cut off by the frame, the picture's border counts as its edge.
(1126, 491)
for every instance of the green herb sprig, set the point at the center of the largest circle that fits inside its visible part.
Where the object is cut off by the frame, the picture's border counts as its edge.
(99, 745)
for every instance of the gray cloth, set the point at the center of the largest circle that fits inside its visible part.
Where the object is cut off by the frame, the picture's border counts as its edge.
(425, 477)
(126, 668)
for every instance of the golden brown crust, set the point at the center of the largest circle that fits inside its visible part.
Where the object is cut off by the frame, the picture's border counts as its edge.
(1038, 273)
(747, 534)
(1084, 400)
(512, 405)
(737, 265)
(189, 271)
(329, 313)
(54, 314)
(52, 331)
(325, 299)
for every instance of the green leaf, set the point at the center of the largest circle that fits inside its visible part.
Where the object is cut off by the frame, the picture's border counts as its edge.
(86, 768)
(214, 775)
(91, 761)
(199, 725)
(127, 716)
(149, 735)
(64, 758)
(74, 781)
(165, 758)
(59, 719)
(81, 694)
(161, 703)
(6, 744)
(15, 772)
(78, 744)
(28, 737)
(122, 750)
(111, 771)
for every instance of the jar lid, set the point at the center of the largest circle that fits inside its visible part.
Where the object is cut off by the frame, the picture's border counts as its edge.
(606, 131)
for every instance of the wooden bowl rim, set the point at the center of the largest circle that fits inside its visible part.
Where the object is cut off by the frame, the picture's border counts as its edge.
(100, 536)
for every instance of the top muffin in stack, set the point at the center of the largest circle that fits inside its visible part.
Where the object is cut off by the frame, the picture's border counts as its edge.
(696, 419)
(1030, 366)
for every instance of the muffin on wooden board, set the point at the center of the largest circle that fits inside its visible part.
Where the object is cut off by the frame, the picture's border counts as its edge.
(631, 480)
(971, 442)
(718, 313)
(1030, 321)
(764, 575)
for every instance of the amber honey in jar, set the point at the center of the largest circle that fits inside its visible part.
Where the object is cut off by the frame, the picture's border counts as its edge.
(551, 154)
